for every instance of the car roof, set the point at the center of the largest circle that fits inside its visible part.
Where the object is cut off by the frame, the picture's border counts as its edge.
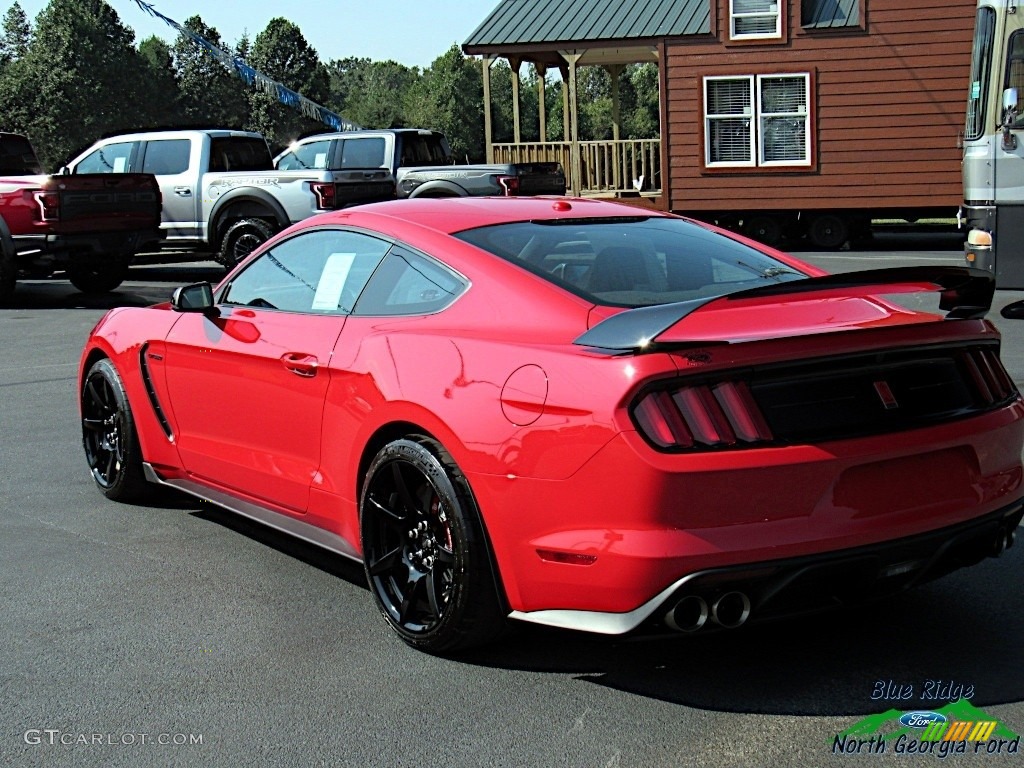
(455, 214)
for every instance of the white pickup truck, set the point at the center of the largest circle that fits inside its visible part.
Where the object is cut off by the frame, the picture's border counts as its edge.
(221, 193)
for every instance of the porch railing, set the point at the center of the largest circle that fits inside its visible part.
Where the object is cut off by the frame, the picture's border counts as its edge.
(626, 165)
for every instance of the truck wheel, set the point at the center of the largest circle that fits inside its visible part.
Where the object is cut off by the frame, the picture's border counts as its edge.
(8, 278)
(98, 276)
(828, 231)
(242, 238)
(765, 229)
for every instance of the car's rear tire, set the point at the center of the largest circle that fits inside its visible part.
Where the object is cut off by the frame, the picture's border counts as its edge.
(95, 276)
(8, 278)
(425, 551)
(242, 238)
(109, 436)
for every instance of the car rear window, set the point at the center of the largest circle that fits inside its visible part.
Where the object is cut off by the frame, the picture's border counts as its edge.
(240, 153)
(632, 262)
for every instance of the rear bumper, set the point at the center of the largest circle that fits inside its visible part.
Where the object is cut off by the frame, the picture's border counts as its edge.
(786, 588)
(63, 247)
(627, 529)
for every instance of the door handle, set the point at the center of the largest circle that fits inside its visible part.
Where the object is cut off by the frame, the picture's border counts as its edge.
(183, 191)
(300, 364)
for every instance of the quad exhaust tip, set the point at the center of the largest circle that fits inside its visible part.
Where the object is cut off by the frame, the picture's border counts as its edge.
(689, 614)
(731, 610)
(692, 612)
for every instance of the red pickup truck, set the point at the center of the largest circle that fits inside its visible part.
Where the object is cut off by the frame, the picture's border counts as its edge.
(89, 225)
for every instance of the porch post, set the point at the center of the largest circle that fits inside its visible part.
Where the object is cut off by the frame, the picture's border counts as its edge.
(515, 64)
(564, 70)
(615, 70)
(618, 153)
(542, 72)
(574, 134)
(488, 129)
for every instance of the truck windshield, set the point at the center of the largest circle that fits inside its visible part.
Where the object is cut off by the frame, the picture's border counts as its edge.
(981, 69)
(240, 153)
(632, 262)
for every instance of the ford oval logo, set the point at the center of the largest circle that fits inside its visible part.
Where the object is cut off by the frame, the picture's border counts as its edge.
(921, 719)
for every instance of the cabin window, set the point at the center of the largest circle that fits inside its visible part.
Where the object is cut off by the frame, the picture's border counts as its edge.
(757, 120)
(754, 19)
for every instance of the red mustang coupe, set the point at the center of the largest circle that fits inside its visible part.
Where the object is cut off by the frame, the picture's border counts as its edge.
(570, 412)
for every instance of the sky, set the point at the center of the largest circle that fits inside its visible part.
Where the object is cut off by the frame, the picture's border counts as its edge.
(411, 32)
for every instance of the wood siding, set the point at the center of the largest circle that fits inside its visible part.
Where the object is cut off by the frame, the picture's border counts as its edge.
(887, 105)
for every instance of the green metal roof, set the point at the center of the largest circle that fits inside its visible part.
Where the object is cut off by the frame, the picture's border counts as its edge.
(517, 22)
(829, 14)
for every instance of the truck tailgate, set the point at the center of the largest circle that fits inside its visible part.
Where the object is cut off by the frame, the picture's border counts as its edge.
(105, 202)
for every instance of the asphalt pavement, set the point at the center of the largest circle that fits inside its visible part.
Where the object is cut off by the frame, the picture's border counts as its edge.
(179, 634)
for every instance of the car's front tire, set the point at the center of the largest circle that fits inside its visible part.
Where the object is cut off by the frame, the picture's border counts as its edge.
(424, 549)
(109, 436)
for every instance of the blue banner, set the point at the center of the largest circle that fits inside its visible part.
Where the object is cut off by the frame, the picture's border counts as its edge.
(259, 80)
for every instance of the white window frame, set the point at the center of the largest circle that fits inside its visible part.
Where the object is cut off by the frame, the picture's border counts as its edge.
(752, 113)
(777, 14)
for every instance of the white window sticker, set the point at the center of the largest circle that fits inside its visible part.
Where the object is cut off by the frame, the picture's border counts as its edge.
(321, 160)
(120, 164)
(332, 281)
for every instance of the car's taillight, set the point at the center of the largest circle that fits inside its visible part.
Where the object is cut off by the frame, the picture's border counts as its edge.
(325, 193)
(720, 415)
(509, 185)
(49, 205)
(990, 379)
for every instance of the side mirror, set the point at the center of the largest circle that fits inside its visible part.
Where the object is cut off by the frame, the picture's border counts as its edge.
(1009, 99)
(1009, 116)
(64, 171)
(197, 297)
(1014, 311)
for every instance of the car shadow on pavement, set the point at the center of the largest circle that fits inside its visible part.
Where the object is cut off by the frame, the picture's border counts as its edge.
(958, 636)
(955, 636)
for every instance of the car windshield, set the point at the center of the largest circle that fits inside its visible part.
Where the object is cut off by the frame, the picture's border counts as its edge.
(632, 262)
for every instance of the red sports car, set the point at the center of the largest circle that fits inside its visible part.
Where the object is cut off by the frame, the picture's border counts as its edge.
(570, 412)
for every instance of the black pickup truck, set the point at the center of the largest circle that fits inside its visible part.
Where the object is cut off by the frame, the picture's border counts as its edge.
(422, 164)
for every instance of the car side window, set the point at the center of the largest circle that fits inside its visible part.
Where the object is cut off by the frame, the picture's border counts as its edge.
(314, 155)
(409, 284)
(167, 157)
(322, 272)
(363, 153)
(112, 158)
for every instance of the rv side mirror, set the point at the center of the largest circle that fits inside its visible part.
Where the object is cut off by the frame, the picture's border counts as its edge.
(1010, 99)
(1009, 117)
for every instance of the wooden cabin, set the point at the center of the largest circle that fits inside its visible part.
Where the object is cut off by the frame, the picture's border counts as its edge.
(799, 117)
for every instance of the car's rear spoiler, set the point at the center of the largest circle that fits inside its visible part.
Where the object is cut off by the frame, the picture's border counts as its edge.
(966, 294)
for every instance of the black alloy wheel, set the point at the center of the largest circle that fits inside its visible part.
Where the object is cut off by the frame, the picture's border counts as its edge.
(424, 550)
(108, 435)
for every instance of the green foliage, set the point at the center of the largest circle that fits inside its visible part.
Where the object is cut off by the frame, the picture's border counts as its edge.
(209, 95)
(17, 33)
(76, 76)
(283, 54)
(449, 98)
(371, 93)
(70, 86)
(159, 83)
